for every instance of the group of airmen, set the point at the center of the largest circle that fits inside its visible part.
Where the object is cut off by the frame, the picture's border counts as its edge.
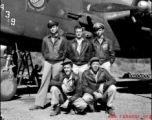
(77, 72)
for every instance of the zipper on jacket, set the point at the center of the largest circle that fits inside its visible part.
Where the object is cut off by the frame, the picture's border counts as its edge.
(54, 45)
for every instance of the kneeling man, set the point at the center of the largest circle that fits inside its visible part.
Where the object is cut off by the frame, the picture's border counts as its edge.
(98, 85)
(66, 91)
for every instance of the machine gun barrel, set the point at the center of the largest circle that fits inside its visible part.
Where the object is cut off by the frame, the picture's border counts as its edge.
(73, 16)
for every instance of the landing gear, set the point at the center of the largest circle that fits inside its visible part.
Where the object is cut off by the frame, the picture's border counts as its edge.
(8, 82)
(17, 74)
(8, 86)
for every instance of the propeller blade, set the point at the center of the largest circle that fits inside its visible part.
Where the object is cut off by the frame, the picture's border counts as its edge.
(109, 7)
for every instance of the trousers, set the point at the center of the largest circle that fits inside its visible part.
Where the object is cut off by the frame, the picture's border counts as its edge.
(58, 98)
(107, 66)
(80, 69)
(48, 71)
(108, 96)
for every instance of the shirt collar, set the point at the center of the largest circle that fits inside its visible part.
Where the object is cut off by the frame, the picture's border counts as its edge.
(50, 36)
(71, 76)
(80, 39)
(75, 40)
(102, 37)
(91, 72)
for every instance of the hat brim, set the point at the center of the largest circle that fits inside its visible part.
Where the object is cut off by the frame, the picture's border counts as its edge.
(96, 29)
(94, 61)
(51, 25)
(67, 63)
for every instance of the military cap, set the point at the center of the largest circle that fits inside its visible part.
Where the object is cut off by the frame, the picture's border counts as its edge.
(52, 23)
(98, 26)
(67, 61)
(93, 59)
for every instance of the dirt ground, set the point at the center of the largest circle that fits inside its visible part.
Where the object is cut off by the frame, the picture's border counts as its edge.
(133, 102)
(128, 106)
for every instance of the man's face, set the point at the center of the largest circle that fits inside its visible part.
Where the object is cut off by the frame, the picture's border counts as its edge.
(100, 32)
(95, 66)
(67, 69)
(79, 32)
(54, 29)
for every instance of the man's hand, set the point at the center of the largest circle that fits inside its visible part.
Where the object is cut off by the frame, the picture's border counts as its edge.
(65, 104)
(97, 95)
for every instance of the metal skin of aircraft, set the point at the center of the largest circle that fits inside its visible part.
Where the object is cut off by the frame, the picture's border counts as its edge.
(24, 22)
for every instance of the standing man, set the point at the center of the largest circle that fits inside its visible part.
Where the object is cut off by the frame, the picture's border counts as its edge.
(66, 91)
(103, 47)
(53, 50)
(79, 51)
(98, 85)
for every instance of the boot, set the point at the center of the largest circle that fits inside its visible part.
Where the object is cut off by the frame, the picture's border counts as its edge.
(110, 111)
(35, 107)
(55, 111)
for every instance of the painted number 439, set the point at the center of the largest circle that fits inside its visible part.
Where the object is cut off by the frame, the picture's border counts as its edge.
(8, 14)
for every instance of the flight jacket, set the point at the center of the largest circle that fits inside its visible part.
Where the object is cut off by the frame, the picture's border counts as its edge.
(90, 85)
(104, 51)
(58, 80)
(85, 53)
(54, 52)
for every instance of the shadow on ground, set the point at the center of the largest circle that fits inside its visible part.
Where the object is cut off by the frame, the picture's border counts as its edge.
(28, 91)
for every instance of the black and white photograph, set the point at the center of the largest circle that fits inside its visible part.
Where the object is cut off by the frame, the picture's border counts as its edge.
(76, 60)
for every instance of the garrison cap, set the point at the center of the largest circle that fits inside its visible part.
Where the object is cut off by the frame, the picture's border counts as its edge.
(67, 61)
(93, 59)
(98, 26)
(52, 23)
